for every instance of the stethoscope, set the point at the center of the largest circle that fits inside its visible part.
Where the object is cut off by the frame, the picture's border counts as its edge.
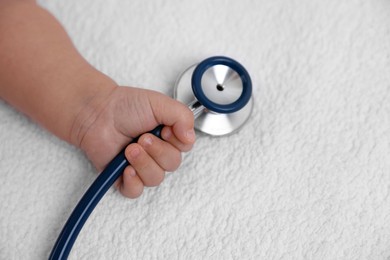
(221, 101)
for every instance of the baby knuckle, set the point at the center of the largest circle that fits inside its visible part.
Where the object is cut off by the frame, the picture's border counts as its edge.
(156, 179)
(132, 152)
(186, 147)
(176, 161)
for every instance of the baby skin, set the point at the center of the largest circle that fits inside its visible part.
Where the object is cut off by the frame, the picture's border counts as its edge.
(44, 76)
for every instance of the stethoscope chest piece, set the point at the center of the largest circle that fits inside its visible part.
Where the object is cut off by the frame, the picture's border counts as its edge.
(223, 88)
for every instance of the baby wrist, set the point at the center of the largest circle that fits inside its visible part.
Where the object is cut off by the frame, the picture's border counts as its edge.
(89, 109)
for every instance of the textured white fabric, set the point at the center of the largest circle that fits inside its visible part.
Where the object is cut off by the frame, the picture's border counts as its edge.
(307, 178)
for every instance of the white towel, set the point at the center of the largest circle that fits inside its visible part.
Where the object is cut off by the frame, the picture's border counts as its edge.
(307, 178)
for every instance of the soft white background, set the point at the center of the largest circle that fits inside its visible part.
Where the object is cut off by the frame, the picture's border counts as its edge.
(307, 178)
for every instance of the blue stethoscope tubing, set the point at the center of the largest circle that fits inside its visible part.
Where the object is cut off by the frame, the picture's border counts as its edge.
(116, 167)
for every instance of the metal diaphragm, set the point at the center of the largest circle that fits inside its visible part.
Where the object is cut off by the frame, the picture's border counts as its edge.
(223, 91)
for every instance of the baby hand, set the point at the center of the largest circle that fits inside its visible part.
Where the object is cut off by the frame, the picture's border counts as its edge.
(108, 123)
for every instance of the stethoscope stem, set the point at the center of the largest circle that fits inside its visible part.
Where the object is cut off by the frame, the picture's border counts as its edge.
(197, 108)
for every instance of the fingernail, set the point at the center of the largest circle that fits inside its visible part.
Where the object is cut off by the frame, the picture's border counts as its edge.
(132, 172)
(148, 140)
(167, 133)
(135, 152)
(190, 135)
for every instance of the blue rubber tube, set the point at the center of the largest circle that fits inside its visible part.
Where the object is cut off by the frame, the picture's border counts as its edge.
(89, 201)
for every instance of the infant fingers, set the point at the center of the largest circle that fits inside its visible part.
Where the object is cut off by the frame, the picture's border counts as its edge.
(147, 169)
(167, 135)
(130, 184)
(166, 155)
(149, 159)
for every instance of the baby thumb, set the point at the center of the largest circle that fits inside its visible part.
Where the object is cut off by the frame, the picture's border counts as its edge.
(175, 114)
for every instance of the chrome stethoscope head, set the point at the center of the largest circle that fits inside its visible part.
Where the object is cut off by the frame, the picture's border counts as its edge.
(219, 92)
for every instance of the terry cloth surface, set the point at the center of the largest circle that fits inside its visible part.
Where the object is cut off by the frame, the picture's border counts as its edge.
(307, 178)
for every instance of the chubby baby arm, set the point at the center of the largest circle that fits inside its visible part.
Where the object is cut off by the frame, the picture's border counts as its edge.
(43, 76)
